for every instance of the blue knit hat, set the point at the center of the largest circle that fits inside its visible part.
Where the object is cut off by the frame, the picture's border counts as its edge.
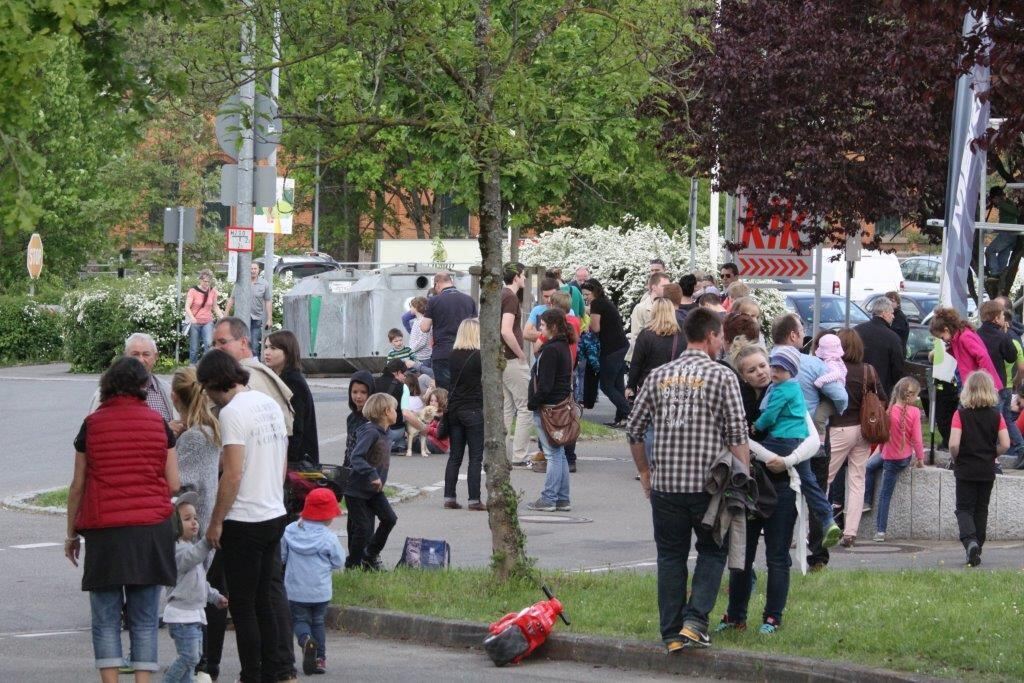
(787, 358)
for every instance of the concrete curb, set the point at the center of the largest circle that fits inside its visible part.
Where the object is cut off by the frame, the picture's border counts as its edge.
(620, 653)
(20, 502)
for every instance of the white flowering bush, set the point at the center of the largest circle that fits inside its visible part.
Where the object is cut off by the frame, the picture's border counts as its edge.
(99, 317)
(31, 332)
(619, 258)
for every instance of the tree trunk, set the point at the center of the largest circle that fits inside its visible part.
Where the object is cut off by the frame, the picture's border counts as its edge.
(434, 214)
(508, 543)
(379, 210)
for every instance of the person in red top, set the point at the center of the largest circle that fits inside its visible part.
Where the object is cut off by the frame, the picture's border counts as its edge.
(201, 309)
(120, 500)
(897, 453)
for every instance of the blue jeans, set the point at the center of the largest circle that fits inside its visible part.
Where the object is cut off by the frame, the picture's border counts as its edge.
(199, 334)
(778, 534)
(817, 503)
(677, 517)
(142, 604)
(397, 436)
(1016, 442)
(649, 443)
(255, 336)
(442, 372)
(556, 480)
(613, 381)
(308, 621)
(998, 252)
(890, 473)
(188, 640)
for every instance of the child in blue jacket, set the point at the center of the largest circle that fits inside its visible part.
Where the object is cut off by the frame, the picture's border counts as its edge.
(310, 553)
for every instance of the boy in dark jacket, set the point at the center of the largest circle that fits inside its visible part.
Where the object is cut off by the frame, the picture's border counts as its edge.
(370, 460)
(360, 387)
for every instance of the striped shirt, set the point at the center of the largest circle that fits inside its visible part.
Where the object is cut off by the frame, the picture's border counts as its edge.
(404, 353)
(697, 410)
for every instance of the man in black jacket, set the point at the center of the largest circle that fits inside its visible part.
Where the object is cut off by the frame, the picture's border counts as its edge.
(1001, 350)
(882, 348)
(900, 324)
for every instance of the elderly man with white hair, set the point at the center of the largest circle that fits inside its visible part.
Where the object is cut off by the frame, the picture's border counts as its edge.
(883, 349)
(142, 347)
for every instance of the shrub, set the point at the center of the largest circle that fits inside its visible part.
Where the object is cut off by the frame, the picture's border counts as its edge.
(31, 331)
(102, 315)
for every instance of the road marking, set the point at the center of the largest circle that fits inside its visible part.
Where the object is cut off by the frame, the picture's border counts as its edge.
(46, 634)
(51, 379)
(640, 564)
(29, 546)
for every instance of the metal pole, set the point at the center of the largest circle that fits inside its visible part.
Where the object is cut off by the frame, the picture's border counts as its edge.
(268, 243)
(713, 230)
(980, 274)
(816, 322)
(693, 225)
(177, 288)
(242, 292)
(316, 190)
(849, 276)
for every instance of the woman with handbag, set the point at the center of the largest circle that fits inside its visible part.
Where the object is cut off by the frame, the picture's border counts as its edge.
(846, 432)
(201, 309)
(550, 388)
(463, 422)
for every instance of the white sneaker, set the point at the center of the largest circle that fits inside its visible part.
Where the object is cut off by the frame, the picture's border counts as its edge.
(879, 537)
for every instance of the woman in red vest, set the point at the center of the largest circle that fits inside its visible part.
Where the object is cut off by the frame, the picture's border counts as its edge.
(125, 473)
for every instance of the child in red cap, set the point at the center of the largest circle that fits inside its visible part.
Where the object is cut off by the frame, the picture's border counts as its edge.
(310, 553)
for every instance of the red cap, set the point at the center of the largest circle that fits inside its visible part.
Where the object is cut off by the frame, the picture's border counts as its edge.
(321, 506)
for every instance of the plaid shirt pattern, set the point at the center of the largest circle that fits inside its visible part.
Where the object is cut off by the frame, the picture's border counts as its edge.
(697, 411)
(155, 399)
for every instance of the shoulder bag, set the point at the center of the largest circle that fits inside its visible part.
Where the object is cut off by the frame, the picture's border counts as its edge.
(561, 421)
(874, 421)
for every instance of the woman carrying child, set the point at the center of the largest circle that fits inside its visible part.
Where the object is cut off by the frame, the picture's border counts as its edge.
(978, 436)
(895, 455)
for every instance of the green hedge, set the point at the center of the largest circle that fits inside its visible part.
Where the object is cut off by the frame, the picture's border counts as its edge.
(99, 317)
(31, 332)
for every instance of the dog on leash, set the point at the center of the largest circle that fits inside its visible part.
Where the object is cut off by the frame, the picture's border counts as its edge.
(425, 415)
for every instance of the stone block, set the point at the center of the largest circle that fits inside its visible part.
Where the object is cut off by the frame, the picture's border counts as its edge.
(1006, 511)
(948, 530)
(925, 496)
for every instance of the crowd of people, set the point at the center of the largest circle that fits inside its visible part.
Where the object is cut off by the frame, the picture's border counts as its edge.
(736, 437)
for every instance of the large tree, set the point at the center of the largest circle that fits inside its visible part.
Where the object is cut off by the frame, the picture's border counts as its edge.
(507, 104)
(842, 109)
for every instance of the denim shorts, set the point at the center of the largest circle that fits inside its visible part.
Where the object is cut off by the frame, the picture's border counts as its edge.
(143, 608)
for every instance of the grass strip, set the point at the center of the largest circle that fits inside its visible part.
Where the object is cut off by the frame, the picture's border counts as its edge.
(58, 498)
(946, 623)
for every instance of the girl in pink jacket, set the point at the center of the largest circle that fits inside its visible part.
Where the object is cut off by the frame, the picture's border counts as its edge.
(964, 343)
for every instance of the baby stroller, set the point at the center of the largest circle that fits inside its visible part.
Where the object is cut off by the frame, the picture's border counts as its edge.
(304, 477)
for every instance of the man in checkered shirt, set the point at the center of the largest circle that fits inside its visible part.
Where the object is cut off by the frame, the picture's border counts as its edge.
(695, 405)
(142, 347)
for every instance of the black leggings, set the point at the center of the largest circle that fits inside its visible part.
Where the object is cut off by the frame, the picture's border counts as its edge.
(365, 543)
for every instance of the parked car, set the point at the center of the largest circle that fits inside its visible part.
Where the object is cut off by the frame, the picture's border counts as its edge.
(302, 265)
(921, 275)
(916, 305)
(833, 311)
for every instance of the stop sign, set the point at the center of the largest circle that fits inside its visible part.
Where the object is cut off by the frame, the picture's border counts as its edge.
(35, 256)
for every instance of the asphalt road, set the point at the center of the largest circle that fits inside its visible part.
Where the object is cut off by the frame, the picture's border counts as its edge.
(43, 611)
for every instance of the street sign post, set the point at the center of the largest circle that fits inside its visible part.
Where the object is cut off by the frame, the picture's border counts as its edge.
(768, 251)
(34, 260)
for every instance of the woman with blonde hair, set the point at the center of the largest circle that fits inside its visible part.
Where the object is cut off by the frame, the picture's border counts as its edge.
(978, 436)
(465, 417)
(198, 444)
(662, 341)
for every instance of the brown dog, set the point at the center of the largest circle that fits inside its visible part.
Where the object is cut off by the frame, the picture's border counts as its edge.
(426, 416)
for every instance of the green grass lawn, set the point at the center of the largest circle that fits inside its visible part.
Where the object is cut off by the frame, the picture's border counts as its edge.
(56, 499)
(949, 623)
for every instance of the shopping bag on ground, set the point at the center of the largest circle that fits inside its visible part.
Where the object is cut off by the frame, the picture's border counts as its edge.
(424, 553)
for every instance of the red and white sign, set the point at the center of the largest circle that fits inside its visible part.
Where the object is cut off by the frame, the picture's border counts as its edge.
(239, 238)
(768, 249)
